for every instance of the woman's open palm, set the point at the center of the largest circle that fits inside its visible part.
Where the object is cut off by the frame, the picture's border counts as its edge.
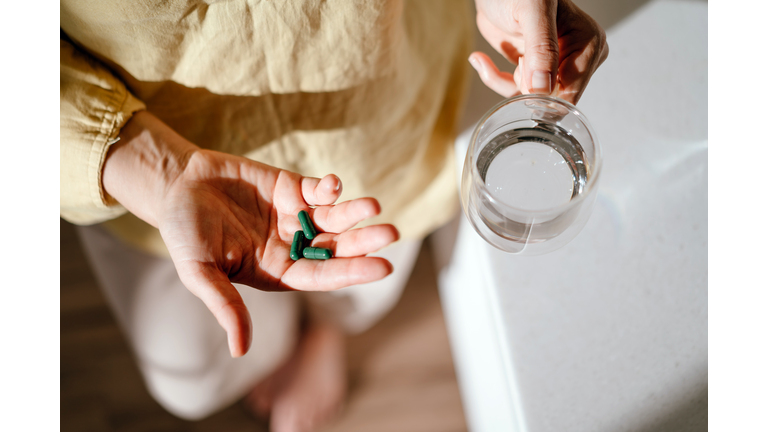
(229, 219)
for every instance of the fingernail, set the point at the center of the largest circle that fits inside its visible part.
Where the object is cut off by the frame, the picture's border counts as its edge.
(540, 82)
(476, 64)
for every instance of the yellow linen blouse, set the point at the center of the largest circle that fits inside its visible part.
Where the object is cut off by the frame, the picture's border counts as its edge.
(368, 90)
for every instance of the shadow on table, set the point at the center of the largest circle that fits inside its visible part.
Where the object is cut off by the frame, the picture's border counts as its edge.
(690, 415)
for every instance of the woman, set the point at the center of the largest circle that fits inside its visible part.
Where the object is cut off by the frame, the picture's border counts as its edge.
(192, 134)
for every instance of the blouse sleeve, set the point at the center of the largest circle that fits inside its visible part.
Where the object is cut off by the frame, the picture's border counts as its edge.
(94, 105)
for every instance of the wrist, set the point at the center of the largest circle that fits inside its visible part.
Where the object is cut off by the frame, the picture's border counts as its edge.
(140, 168)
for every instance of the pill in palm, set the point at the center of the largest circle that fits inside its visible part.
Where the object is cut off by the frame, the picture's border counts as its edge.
(317, 253)
(307, 225)
(298, 245)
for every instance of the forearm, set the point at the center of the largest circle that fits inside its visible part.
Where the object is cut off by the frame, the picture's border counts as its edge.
(140, 168)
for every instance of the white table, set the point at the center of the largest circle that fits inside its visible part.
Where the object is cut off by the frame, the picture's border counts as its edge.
(610, 332)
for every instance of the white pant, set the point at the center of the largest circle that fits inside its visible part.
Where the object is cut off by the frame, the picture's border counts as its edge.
(181, 350)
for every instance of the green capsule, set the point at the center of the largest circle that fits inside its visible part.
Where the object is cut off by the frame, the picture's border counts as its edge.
(306, 224)
(298, 245)
(317, 253)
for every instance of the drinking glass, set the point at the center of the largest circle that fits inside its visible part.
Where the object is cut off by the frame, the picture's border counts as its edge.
(531, 174)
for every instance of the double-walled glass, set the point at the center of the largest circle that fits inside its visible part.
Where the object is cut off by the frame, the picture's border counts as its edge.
(531, 174)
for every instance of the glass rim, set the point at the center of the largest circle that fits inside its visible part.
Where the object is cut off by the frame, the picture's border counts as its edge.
(591, 182)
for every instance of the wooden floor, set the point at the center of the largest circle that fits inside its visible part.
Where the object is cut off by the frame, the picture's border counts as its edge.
(401, 372)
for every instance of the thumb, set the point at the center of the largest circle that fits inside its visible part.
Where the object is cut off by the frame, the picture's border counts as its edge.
(538, 22)
(213, 287)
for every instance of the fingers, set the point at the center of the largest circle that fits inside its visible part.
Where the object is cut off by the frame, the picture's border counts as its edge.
(539, 27)
(578, 67)
(332, 274)
(294, 193)
(211, 286)
(502, 83)
(317, 192)
(358, 242)
(341, 217)
(519, 74)
(500, 39)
